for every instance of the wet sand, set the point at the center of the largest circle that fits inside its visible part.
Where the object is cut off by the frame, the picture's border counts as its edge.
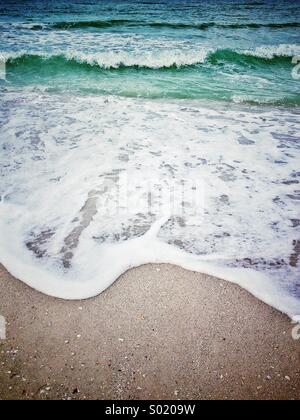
(160, 332)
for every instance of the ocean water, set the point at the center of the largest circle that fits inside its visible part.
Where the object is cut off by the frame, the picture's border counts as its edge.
(151, 131)
(237, 51)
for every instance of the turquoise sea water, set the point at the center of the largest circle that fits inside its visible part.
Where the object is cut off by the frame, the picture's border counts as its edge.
(237, 50)
(151, 131)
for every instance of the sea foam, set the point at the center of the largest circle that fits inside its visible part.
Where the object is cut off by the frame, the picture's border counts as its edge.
(64, 227)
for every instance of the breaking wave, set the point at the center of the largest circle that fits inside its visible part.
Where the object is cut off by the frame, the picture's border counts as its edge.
(276, 55)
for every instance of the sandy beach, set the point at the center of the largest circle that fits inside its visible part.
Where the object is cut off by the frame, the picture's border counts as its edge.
(159, 332)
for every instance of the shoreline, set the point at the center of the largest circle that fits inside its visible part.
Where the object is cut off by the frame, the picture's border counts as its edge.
(159, 332)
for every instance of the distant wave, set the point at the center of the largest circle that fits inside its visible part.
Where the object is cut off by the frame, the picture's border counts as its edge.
(207, 25)
(91, 24)
(102, 24)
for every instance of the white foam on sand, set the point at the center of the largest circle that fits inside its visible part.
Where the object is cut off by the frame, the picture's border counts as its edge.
(66, 231)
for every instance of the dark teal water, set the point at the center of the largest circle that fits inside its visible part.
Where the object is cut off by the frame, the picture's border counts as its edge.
(239, 51)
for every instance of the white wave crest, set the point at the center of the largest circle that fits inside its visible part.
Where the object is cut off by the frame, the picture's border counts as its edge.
(272, 51)
(149, 59)
(155, 59)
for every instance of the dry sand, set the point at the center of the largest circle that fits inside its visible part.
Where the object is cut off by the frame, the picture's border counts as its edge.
(159, 332)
